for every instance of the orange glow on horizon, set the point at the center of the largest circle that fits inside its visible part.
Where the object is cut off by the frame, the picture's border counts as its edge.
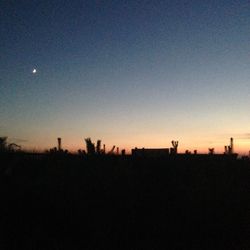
(241, 146)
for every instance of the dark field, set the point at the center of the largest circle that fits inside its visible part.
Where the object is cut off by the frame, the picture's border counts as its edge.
(110, 202)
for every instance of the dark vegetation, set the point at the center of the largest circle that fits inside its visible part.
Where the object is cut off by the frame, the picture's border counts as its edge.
(122, 202)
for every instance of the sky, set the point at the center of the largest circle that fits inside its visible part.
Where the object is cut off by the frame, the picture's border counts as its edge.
(131, 73)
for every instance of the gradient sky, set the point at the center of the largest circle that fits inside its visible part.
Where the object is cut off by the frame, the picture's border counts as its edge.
(132, 73)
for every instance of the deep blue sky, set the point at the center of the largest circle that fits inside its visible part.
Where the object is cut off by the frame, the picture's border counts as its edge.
(133, 73)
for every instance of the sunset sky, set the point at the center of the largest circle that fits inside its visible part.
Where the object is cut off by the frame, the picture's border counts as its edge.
(131, 73)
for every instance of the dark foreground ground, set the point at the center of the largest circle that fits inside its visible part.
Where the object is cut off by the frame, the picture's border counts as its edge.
(67, 202)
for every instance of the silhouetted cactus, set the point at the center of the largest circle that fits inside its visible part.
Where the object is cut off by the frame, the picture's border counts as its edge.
(211, 151)
(90, 146)
(92, 149)
(59, 143)
(112, 150)
(229, 149)
(232, 145)
(175, 146)
(58, 149)
(98, 147)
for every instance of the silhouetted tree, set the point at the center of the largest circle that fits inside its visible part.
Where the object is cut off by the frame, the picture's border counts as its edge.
(3, 144)
(90, 146)
(14, 147)
(81, 152)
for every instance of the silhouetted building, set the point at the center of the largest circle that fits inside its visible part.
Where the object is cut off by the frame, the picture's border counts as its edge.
(152, 152)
